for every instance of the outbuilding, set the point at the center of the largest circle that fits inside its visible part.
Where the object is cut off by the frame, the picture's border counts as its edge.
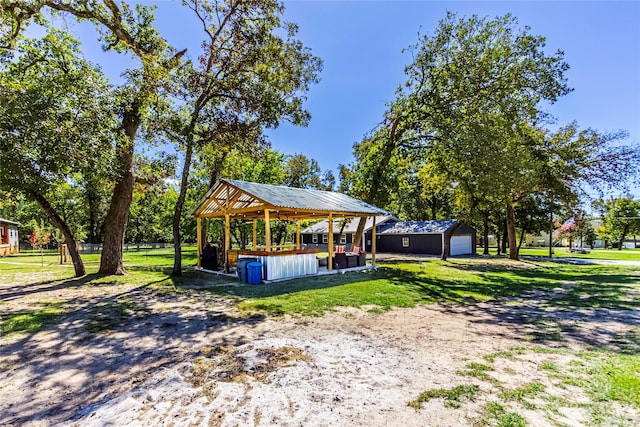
(317, 235)
(426, 237)
(250, 201)
(9, 241)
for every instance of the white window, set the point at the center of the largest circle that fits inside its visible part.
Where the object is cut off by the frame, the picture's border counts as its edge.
(343, 239)
(405, 242)
(325, 239)
(314, 238)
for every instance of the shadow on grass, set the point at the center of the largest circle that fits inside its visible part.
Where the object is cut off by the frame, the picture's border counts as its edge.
(562, 286)
(46, 286)
(128, 335)
(131, 335)
(221, 285)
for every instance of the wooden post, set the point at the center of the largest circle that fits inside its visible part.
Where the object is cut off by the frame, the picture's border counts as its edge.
(227, 241)
(199, 239)
(373, 242)
(330, 244)
(298, 235)
(255, 234)
(63, 253)
(267, 230)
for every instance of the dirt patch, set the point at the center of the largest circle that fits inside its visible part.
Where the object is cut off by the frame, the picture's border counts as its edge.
(192, 359)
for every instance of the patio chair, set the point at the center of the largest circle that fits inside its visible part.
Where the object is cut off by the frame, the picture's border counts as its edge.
(361, 256)
(352, 260)
(340, 260)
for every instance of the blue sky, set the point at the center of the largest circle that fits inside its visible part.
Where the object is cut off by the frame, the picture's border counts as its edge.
(361, 44)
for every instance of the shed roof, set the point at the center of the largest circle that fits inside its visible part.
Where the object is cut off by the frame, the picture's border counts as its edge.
(9, 222)
(250, 199)
(419, 227)
(350, 227)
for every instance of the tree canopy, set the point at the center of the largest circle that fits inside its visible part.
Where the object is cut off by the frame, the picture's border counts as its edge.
(56, 126)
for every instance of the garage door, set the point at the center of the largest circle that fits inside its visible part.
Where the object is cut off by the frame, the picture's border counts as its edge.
(460, 245)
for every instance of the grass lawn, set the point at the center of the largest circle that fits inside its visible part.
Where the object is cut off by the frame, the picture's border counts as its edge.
(607, 254)
(456, 281)
(401, 284)
(605, 375)
(142, 258)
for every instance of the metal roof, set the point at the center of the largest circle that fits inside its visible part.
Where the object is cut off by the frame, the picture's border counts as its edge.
(350, 227)
(240, 196)
(9, 222)
(419, 227)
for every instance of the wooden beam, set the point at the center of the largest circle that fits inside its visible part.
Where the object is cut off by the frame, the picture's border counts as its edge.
(267, 230)
(330, 244)
(373, 242)
(214, 196)
(235, 198)
(199, 239)
(287, 213)
(254, 209)
(298, 235)
(227, 241)
(255, 234)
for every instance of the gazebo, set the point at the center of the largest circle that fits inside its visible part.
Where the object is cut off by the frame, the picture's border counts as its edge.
(232, 199)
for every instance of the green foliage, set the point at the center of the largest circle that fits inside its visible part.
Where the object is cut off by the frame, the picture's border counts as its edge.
(472, 91)
(453, 397)
(56, 116)
(302, 172)
(622, 218)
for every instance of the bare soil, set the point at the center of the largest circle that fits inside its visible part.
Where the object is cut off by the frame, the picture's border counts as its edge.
(192, 359)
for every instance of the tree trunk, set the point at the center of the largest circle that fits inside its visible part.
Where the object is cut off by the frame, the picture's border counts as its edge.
(485, 235)
(511, 232)
(505, 234)
(625, 231)
(118, 214)
(376, 180)
(69, 239)
(498, 241)
(177, 212)
(524, 232)
(204, 231)
(359, 231)
(446, 247)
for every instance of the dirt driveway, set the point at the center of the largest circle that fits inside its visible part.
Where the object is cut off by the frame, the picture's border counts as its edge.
(191, 359)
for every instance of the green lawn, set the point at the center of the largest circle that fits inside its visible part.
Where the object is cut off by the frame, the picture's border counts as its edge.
(604, 374)
(606, 254)
(456, 281)
(142, 257)
(402, 284)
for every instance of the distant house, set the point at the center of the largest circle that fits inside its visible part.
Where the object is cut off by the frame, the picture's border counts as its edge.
(317, 235)
(426, 237)
(9, 241)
